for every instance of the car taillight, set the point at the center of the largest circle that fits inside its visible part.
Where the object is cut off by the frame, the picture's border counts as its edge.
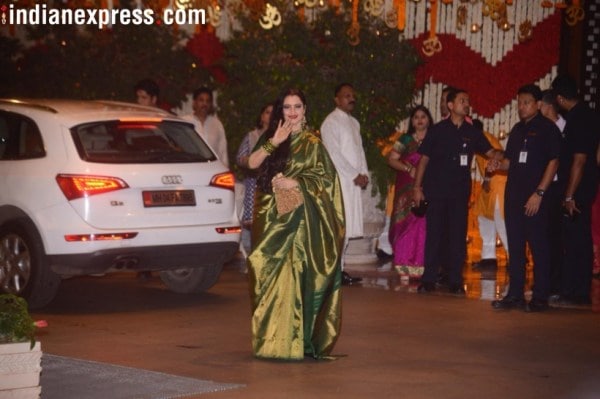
(140, 120)
(229, 230)
(223, 180)
(78, 186)
(100, 237)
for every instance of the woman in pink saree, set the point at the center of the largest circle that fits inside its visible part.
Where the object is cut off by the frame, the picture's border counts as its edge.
(407, 230)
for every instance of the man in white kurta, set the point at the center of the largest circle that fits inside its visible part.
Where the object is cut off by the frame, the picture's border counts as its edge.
(340, 133)
(207, 125)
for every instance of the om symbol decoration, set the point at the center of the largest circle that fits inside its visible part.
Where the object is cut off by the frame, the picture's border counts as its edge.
(352, 33)
(574, 15)
(432, 46)
(271, 18)
(214, 15)
(374, 7)
(525, 30)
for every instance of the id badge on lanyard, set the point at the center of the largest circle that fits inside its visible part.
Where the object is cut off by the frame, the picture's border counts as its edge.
(523, 153)
(464, 157)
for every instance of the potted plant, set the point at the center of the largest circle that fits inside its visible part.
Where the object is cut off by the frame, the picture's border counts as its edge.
(20, 353)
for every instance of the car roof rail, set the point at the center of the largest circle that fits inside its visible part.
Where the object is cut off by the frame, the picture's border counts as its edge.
(29, 104)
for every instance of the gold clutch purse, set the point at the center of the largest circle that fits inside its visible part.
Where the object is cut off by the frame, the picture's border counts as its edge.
(287, 199)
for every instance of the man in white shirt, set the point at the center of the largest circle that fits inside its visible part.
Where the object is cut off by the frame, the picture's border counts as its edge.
(206, 123)
(341, 136)
(549, 109)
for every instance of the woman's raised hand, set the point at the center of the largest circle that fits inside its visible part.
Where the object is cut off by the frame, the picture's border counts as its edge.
(282, 133)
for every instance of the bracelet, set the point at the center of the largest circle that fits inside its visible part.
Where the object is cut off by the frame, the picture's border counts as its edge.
(568, 199)
(269, 147)
(408, 168)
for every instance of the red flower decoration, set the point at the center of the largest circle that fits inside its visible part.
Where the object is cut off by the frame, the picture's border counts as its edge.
(206, 47)
(492, 87)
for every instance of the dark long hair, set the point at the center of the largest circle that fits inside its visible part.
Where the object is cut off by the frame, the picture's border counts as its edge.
(411, 128)
(258, 123)
(277, 161)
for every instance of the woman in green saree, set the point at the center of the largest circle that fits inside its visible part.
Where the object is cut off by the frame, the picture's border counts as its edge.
(295, 266)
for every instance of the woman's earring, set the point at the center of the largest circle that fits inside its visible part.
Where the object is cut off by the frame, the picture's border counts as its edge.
(303, 123)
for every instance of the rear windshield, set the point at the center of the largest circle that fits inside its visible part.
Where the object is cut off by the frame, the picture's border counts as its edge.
(140, 142)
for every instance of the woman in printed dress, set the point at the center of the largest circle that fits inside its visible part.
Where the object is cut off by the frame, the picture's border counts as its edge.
(246, 148)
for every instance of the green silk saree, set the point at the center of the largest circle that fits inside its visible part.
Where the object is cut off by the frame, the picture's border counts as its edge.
(295, 267)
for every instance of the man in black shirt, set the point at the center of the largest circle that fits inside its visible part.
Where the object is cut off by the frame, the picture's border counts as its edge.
(531, 158)
(578, 176)
(443, 178)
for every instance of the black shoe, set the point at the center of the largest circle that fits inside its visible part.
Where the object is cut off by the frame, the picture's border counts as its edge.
(457, 289)
(536, 305)
(425, 287)
(382, 255)
(509, 302)
(349, 280)
(563, 300)
(442, 280)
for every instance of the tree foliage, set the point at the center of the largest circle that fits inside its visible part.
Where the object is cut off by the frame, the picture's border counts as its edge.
(315, 58)
(87, 63)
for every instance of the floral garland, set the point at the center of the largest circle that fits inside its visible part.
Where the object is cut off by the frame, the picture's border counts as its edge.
(489, 87)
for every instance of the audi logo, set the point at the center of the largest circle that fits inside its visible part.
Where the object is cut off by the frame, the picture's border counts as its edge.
(172, 179)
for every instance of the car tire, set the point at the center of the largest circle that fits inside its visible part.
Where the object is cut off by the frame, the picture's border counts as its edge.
(24, 269)
(191, 280)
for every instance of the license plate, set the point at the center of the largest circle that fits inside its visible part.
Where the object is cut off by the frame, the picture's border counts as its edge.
(169, 198)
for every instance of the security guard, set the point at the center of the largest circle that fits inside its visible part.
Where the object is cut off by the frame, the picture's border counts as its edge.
(443, 178)
(531, 158)
(578, 176)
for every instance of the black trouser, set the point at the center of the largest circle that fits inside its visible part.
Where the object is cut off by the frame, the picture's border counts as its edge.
(520, 230)
(554, 196)
(446, 241)
(577, 268)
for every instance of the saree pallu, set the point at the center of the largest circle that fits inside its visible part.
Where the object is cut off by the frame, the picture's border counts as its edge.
(295, 267)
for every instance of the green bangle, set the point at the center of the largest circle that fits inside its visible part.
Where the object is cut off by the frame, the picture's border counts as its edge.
(269, 147)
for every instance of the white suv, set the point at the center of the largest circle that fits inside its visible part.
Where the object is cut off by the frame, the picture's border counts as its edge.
(91, 187)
